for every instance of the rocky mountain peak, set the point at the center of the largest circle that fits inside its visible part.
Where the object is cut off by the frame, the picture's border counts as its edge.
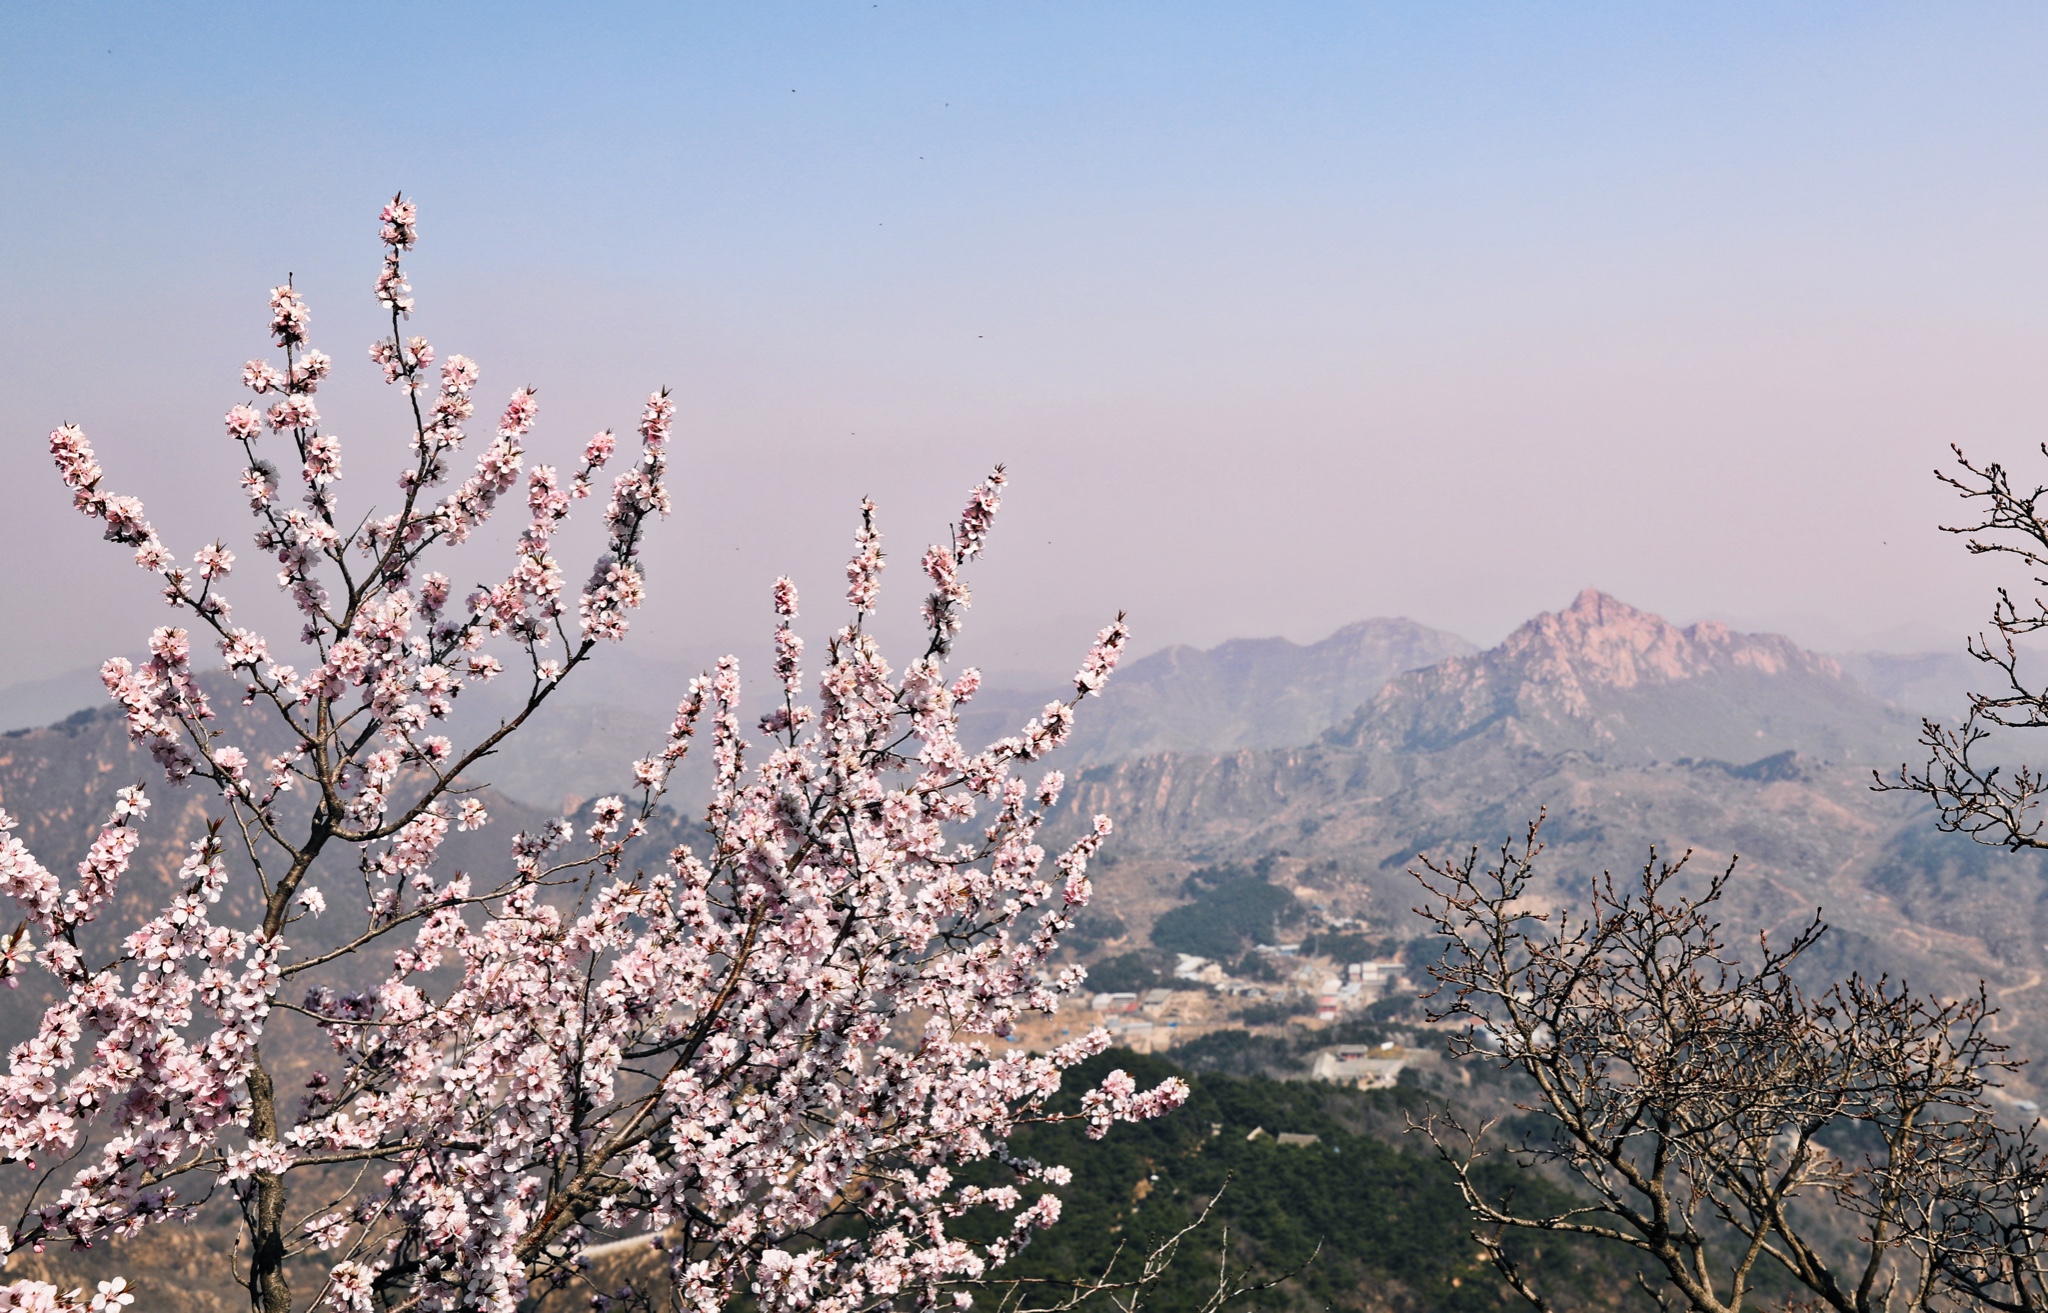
(1601, 642)
(1605, 676)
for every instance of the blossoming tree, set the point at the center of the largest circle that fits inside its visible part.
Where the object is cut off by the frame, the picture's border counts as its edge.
(763, 1054)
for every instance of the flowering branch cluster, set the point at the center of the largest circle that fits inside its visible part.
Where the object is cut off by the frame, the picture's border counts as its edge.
(764, 1055)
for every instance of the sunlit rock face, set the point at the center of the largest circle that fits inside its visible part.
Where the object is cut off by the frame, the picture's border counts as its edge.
(1601, 676)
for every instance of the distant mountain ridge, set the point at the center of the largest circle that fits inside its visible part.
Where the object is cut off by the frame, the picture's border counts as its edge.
(1935, 684)
(1246, 693)
(1602, 676)
(1341, 760)
(1598, 682)
(39, 702)
(1393, 679)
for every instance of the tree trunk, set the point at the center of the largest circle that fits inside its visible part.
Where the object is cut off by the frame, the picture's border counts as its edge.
(270, 1290)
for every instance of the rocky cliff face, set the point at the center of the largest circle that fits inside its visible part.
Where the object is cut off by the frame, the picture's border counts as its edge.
(1603, 677)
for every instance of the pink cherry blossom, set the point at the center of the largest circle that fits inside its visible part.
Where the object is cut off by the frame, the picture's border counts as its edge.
(288, 316)
(800, 1022)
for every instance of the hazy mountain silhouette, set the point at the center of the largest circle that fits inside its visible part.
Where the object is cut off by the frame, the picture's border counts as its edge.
(1935, 684)
(1246, 693)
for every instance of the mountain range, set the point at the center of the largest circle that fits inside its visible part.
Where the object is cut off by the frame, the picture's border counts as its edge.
(1339, 762)
(1627, 734)
(1327, 769)
(1603, 678)
(1245, 693)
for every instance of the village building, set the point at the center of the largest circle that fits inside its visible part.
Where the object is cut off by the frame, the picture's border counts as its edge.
(1366, 1067)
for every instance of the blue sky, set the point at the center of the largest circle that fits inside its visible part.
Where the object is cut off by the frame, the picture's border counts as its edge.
(1281, 315)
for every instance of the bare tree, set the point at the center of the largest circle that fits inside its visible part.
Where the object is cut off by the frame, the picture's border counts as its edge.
(1974, 794)
(1133, 1292)
(1720, 1121)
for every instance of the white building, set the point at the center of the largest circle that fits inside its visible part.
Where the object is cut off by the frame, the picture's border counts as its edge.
(1376, 976)
(1366, 1067)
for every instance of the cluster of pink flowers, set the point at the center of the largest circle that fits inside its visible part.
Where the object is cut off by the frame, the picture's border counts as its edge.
(713, 1052)
(949, 595)
(42, 1297)
(615, 585)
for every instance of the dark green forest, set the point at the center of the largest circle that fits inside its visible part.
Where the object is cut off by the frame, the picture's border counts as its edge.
(1386, 1213)
(1231, 909)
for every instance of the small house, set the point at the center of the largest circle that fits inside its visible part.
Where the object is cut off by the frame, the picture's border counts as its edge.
(1362, 1066)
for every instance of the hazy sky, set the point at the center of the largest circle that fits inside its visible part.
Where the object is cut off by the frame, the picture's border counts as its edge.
(1281, 315)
